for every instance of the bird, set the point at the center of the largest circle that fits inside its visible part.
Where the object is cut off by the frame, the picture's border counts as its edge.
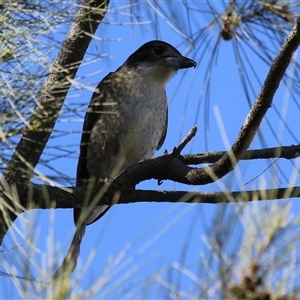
(126, 122)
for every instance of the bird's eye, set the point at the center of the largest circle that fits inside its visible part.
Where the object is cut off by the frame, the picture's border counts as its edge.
(159, 50)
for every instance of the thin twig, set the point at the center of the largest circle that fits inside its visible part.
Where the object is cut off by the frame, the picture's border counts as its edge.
(177, 150)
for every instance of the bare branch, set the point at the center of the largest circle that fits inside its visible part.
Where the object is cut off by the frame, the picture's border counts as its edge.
(287, 152)
(45, 197)
(55, 90)
(263, 102)
(63, 70)
(177, 150)
(121, 190)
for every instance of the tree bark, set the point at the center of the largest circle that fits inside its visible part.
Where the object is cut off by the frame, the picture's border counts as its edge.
(31, 146)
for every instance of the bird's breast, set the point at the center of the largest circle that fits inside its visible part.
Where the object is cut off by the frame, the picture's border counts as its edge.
(131, 128)
(146, 120)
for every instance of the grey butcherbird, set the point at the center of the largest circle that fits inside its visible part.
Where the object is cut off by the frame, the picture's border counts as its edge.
(126, 122)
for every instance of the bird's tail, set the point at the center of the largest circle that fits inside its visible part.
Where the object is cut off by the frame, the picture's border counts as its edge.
(70, 261)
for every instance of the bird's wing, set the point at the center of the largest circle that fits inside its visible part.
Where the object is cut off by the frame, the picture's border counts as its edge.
(163, 134)
(91, 117)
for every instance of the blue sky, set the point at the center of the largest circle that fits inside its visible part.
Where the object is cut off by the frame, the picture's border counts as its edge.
(135, 241)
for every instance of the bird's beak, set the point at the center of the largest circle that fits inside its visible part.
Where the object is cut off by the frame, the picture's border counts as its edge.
(179, 62)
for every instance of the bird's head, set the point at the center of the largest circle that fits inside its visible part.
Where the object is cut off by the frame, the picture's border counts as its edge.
(159, 60)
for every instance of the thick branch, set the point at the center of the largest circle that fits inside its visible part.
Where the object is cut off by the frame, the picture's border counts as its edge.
(63, 70)
(22, 196)
(55, 90)
(175, 168)
(121, 189)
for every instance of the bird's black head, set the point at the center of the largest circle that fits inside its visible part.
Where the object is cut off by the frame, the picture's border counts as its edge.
(160, 53)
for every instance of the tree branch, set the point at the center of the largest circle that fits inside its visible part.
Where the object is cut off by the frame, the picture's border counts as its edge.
(263, 102)
(287, 152)
(22, 196)
(63, 70)
(45, 197)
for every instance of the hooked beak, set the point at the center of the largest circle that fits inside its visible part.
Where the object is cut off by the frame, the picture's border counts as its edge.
(179, 62)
